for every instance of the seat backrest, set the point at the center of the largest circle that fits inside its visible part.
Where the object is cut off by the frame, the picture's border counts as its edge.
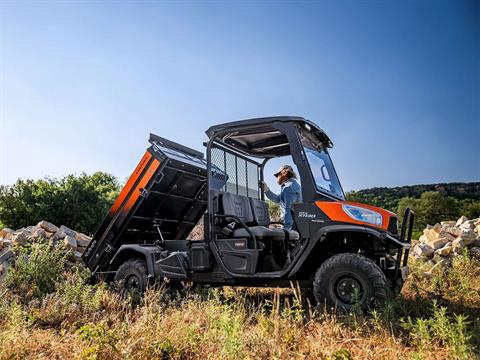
(237, 205)
(261, 217)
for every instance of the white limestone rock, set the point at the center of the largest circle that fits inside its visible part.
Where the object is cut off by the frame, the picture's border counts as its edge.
(423, 251)
(47, 226)
(83, 240)
(70, 242)
(461, 221)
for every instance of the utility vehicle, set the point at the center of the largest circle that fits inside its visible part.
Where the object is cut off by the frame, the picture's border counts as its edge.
(348, 253)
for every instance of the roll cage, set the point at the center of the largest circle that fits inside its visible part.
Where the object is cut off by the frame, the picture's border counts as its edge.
(268, 138)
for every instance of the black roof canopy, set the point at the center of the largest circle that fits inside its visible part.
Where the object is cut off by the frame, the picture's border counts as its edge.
(261, 137)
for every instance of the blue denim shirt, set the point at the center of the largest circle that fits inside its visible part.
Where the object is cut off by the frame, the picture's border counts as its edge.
(291, 193)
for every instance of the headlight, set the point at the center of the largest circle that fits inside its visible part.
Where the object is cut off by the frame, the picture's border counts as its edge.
(362, 214)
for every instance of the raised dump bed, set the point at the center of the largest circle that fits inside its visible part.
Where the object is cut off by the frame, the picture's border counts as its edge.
(164, 198)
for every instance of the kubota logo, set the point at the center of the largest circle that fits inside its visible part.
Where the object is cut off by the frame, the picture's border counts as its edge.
(304, 214)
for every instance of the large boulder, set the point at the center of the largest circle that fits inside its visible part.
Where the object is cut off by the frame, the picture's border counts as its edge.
(422, 251)
(6, 260)
(21, 237)
(6, 233)
(83, 240)
(38, 233)
(67, 231)
(468, 237)
(6, 255)
(432, 233)
(47, 226)
(438, 243)
(59, 235)
(452, 230)
(467, 225)
(70, 242)
(461, 221)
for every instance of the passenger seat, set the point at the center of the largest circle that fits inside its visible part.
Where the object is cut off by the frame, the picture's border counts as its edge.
(261, 217)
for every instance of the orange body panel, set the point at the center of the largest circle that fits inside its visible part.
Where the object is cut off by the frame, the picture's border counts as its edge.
(142, 183)
(131, 182)
(333, 209)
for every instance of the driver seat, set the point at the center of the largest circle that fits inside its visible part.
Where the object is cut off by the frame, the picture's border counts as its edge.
(254, 214)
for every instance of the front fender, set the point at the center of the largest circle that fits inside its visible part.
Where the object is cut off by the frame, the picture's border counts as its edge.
(320, 235)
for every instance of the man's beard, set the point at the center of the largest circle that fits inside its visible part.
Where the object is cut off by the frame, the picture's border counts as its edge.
(281, 179)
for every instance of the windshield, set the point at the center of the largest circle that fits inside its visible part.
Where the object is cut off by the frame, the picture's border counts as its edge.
(321, 165)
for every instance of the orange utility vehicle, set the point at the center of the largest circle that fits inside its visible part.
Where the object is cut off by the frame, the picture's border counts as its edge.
(348, 253)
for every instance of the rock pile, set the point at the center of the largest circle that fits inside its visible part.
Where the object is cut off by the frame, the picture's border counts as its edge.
(441, 242)
(42, 232)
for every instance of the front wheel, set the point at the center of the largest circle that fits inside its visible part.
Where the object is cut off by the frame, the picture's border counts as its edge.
(347, 280)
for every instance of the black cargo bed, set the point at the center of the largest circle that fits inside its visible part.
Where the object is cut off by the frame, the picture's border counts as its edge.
(168, 190)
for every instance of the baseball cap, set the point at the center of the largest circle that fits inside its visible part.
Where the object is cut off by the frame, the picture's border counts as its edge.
(284, 168)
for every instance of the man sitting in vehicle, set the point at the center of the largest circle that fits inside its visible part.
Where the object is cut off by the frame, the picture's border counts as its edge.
(291, 192)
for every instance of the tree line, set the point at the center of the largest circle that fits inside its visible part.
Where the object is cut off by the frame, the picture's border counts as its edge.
(81, 202)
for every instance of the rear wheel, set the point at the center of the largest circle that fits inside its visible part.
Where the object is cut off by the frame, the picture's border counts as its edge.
(347, 281)
(132, 277)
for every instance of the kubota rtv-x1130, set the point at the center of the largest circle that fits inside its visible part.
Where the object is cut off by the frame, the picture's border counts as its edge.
(348, 253)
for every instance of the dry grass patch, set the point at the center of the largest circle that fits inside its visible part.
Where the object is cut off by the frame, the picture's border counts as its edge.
(436, 318)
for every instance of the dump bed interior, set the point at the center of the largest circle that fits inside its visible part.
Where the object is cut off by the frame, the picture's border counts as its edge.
(167, 192)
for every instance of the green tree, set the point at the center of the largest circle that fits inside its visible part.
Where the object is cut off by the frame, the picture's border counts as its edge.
(432, 207)
(79, 202)
(435, 207)
(470, 208)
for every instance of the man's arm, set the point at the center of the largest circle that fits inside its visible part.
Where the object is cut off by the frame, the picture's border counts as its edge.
(273, 197)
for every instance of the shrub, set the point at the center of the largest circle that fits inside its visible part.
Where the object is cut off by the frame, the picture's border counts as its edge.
(36, 270)
(440, 329)
(101, 339)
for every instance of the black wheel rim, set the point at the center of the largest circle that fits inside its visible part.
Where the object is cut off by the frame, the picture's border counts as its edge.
(132, 283)
(349, 289)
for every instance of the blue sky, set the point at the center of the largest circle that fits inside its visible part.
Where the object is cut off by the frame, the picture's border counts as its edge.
(396, 85)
